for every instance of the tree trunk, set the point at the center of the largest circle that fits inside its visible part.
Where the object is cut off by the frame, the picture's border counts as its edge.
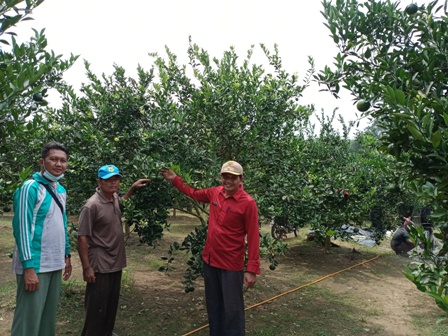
(127, 229)
(327, 244)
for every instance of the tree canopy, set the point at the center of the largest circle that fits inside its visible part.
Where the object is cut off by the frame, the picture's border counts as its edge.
(27, 72)
(395, 61)
(192, 118)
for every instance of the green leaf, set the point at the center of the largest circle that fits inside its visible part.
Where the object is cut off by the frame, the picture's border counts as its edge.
(415, 132)
(390, 95)
(436, 138)
(402, 116)
(436, 296)
(401, 98)
(445, 117)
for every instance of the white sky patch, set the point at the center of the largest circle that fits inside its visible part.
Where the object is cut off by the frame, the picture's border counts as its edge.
(107, 32)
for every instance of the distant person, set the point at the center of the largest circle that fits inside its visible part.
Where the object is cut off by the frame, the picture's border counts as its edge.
(233, 218)
(425, 213)
(401, 242)
(102, 252)
(42, 250)
(405, 211)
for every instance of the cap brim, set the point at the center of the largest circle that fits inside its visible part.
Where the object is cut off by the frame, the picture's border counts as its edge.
(108, 176)
(230, 172)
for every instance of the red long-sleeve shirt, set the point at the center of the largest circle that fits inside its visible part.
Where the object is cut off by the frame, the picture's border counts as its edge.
(230, 220)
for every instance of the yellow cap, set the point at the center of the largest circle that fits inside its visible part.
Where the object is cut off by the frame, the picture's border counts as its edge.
(232, 167)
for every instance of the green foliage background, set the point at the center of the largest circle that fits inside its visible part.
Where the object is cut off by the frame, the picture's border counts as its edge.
(193, 117)
(396, 59)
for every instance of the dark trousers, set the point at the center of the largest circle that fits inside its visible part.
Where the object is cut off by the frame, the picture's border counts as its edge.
(403, 248)
(101, 304)
(224, 301)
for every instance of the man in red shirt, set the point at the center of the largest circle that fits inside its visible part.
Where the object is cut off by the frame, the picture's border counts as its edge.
(233, 217)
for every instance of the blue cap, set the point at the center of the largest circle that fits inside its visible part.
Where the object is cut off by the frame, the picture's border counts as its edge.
(108, 171)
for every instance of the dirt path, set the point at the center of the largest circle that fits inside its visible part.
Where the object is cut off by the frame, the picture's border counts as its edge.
(372, 299)
(387, 301)
(391, 299)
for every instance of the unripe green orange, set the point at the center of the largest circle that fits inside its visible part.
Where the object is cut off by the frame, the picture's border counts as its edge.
(38, 97)
(363, 105)
(411, 9)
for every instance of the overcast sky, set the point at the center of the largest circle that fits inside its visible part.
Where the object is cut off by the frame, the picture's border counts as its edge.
(105, 32)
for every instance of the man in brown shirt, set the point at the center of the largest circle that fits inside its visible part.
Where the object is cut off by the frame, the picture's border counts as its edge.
(102, 252)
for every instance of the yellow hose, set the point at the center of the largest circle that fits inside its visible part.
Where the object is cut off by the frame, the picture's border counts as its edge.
(293, 290)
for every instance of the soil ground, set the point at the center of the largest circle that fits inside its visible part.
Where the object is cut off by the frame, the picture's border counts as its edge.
(373, 298)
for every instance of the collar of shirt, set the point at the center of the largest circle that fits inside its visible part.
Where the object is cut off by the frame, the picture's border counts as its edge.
(103, 198)
(236, 195)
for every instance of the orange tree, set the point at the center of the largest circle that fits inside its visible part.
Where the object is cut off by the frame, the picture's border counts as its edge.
(229, 110)
(394, 59)
(380, 182)
(236, 110)
(27, 72)
(327, 190)
(110, 124)
(345, 181)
